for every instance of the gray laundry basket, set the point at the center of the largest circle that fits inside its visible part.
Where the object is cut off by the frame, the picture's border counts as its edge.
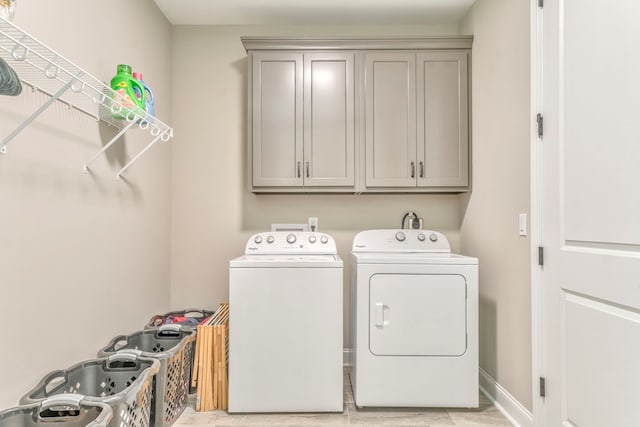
(195, 313)
(173, 346)
(64, 410)
(123, 381)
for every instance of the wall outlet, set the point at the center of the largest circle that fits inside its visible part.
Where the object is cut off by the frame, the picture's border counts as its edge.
(313, 223)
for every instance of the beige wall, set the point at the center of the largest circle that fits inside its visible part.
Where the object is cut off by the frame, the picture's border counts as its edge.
(500, 155)
(83, 257)
(213, 212)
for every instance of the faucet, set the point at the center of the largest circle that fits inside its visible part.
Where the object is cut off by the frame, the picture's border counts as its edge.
(410, 220)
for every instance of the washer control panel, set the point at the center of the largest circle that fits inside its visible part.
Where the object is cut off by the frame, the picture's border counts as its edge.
(287, 242)
(400, 241)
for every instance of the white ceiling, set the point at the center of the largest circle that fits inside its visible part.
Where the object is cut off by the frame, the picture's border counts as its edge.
(313, 12)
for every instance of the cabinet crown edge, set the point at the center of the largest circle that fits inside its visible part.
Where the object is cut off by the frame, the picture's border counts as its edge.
(252, 43)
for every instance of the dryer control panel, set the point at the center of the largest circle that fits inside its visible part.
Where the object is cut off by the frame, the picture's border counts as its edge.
(401, 241)
(288, 242)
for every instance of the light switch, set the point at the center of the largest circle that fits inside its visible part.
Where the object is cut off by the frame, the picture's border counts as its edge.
(523, 224)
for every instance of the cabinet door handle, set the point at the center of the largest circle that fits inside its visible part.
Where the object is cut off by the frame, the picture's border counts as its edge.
(307, 167)
(421, 169)
(298, 169)
(413, 169)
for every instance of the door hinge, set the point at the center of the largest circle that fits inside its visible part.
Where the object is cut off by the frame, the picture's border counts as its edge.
(540, 121)
(543, 390)
(540, 255)
(540, 3)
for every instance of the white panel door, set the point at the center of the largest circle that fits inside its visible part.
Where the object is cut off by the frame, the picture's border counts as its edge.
(591, 213)
(417, 315)
(329, 140)
(390, 119)
(277, 118)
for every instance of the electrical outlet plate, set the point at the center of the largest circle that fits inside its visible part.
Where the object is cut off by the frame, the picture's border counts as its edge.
(313, 223)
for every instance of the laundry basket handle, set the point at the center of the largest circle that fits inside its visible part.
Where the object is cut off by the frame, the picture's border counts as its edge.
(47, 380)
(116, 340)
(122, 356)
(74, 401)
(169, 330)
(133, 351)
(65, 399)
(195, 310)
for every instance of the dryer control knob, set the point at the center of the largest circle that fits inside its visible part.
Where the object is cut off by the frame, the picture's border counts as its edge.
(421, 237)
(270, 239)
(324, 239)
(400, 236)
(433, 237)
(258, 239)
(291, 238)
(312, 239)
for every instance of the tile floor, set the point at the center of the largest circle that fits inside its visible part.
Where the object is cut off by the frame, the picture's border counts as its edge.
(486, 415)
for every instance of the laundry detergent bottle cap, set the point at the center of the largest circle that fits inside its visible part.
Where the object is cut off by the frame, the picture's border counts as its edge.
(126, 90)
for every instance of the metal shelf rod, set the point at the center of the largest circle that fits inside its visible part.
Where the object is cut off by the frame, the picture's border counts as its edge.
(107, 145)
(33, 116)
(137, 156)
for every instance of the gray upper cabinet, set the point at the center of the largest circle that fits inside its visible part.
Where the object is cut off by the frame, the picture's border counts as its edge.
(416, 115)
(277, 119)
(358, 115)
(302, 109)
(390, 118)
(329, 140)
(443, 119)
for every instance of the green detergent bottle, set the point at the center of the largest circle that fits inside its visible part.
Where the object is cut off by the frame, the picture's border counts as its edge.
(125, 87)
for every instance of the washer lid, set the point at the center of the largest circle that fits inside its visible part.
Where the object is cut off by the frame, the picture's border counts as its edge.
(286, 261)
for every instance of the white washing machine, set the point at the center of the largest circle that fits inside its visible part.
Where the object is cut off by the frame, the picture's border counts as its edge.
(414, 321)
(285, 325)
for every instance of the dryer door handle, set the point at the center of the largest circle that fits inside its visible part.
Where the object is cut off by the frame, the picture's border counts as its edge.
(379, 314)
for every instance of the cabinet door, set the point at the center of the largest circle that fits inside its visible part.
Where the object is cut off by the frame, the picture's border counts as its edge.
(443, 124)
(329, 146)
(277, 119)
(390, 115)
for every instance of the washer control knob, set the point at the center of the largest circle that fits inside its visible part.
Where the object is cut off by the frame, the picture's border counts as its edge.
(258, 239)
(324, 240)
(433, 237)
(312, 239)
(400, 236)
(421, 237)
(291, 238)
(270, 239)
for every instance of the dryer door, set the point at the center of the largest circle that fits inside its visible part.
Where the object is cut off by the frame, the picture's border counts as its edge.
(417, 315)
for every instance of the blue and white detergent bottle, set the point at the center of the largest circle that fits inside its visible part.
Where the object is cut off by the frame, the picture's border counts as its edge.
(148, 97)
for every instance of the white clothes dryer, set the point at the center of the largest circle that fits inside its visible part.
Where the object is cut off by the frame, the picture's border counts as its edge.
(285, 325)
(414, 321)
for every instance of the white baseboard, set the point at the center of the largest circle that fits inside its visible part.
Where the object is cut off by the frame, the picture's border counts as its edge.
(505, 402)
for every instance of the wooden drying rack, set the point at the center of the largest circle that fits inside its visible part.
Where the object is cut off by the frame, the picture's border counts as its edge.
(211, 361)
